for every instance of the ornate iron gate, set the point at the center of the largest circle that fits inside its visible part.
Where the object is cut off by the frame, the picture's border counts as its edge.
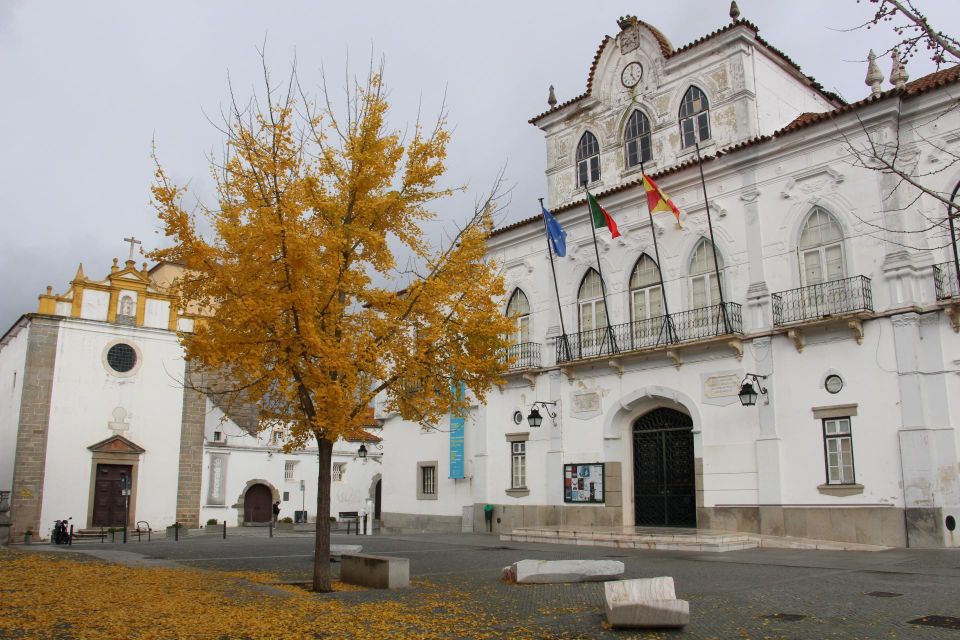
(663, 470)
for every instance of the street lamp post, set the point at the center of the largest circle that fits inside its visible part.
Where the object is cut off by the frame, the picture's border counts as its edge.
(125, 490)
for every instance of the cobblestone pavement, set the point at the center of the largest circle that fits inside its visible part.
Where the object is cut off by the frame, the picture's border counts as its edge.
(759, 593)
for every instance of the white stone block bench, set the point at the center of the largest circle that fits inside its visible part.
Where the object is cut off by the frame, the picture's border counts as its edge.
(557, 571)
(337, 550)
(378, 572)
(644, 602)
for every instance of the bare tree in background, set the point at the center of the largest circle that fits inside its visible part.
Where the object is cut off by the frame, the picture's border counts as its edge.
(895, 148)
(916, 33)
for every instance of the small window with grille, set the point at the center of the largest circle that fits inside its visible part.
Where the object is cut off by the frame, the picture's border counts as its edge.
(122, 358)
(339, 471)
(289, 470)
(429, 485)
(427, 480)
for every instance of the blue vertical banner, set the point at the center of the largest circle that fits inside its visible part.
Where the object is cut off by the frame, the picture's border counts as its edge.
(456, 435)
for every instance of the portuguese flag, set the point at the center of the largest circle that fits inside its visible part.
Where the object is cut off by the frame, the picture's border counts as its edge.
(600, 216)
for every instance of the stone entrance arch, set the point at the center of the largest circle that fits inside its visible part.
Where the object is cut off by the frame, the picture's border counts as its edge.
(618, 439)
(256, 491)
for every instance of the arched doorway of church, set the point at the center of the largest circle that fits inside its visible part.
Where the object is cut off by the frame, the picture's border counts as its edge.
(663, 470)
(376, 501)
(258, 504)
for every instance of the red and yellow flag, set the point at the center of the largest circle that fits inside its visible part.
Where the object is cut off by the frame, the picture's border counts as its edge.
(657, 200)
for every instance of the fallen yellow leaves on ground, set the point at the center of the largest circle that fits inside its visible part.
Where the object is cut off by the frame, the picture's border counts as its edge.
(48, 596)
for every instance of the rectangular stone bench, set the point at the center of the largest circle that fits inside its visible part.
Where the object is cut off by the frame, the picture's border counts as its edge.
(560, 571)
(644, 602)
(378, 572)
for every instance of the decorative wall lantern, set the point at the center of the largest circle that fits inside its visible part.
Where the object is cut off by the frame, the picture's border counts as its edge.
(535, 419)
(362, 451)
(749, 390)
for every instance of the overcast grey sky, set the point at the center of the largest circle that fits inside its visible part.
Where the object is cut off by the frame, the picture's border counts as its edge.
(87, 85)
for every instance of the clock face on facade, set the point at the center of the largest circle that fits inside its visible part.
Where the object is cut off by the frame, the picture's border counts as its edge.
(631, 74)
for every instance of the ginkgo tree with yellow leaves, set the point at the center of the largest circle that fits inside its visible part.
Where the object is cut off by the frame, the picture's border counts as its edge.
(310, 316)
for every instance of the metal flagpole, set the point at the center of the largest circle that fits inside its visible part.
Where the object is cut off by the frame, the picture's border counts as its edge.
(713, 244)
(671, 334)
(953, 238)
(603, 285)
(553, 269)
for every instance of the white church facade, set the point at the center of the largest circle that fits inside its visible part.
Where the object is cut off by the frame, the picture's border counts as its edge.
(93, 400)
(816, 289)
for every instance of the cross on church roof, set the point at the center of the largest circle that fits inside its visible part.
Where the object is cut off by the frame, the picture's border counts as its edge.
(132, 240)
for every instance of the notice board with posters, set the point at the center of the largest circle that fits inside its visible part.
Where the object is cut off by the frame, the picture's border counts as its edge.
(583, 483)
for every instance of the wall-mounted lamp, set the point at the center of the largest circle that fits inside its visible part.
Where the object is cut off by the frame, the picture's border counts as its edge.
(748, 392)
(362, 451)
(535, 419)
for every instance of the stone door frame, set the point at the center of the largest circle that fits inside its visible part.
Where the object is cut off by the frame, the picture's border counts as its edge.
(275, 495)
(116, 450)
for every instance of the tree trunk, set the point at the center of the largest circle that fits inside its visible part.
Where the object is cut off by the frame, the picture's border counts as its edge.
(321, 547)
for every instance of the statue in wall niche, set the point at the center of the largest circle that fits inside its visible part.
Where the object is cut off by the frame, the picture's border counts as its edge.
(126, 306)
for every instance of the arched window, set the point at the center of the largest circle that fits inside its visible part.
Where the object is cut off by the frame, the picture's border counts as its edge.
(646, 304)
(519, 310)
(593, 315)
(694, 117)
(588, 160)
(704, 287)
(821, 249)
(636, 139)
(646, 296)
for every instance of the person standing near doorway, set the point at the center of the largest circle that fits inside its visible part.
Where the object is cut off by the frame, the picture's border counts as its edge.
(276, 512)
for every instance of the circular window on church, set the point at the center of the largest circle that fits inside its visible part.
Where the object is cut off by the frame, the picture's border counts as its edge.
(121, 358)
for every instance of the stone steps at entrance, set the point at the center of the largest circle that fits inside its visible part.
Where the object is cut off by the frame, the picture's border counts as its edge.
(671, 539)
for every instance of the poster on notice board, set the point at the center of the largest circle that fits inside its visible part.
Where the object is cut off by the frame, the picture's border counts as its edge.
(583, 483)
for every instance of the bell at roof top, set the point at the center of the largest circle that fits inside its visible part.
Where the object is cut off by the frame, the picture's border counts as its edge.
(734, 11)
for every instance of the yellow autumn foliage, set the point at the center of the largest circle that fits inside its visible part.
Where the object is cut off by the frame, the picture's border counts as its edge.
(301, 230)
(65, 597)
(312, 318)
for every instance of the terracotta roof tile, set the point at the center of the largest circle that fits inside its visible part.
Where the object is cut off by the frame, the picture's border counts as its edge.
(911, 89)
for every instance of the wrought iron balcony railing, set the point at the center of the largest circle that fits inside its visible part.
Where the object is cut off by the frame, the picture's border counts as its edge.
(655, 333)
(817, 301)
(525, 355)
(945, 281)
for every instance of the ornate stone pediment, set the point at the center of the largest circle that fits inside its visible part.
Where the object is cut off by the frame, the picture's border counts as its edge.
(116, 444)
(811, 181)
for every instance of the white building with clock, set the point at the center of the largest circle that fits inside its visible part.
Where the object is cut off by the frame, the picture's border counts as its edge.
(814, 286)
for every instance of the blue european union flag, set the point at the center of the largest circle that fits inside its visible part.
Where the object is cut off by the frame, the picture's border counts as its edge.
(558, 237)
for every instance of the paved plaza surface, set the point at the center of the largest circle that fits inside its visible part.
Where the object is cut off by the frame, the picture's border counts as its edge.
(757, 593)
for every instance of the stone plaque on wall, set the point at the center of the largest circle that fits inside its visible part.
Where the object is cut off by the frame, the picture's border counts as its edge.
(721, 387)
(586, 405)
